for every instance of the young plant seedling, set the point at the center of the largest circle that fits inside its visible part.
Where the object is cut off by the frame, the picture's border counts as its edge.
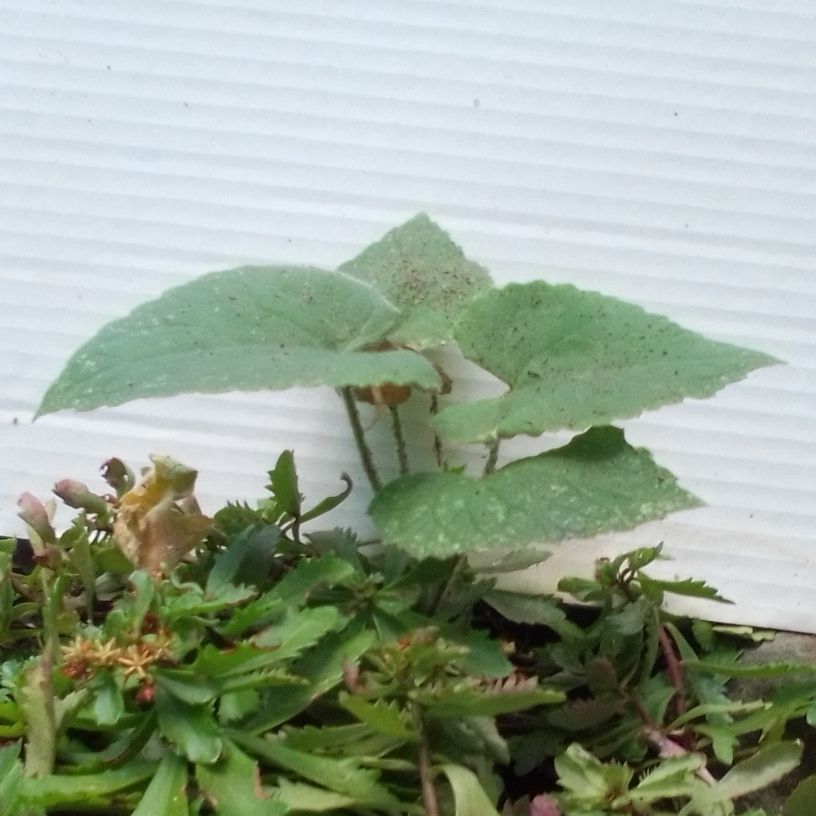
(572, 360)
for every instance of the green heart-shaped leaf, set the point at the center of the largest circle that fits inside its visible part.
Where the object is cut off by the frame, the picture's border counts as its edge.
(418, 268)
(244, 329)
(574, 359)
(597, 483)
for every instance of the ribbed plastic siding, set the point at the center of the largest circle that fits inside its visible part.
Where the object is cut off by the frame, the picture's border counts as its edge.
(661, 152)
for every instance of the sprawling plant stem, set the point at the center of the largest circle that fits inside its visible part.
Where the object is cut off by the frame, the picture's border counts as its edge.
(399, 439)
(429, 800)
(662, 744)
(492, 457)
(359, 439)
(674, 669)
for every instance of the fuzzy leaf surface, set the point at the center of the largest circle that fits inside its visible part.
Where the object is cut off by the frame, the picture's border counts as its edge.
(421, 270)
(247, 329)
(573, 358)
(597, 483)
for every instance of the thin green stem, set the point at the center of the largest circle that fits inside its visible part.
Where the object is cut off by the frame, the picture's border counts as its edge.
(429, 800)
(437, 441)
(359, 439)
(674, 669)
(399, 439)
(492, 457)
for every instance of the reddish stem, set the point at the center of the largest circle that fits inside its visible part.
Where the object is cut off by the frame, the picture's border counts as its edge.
(674, 669)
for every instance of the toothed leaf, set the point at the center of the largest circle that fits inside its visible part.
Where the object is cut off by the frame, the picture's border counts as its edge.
(573, 358)
(244, 329)
(597, 483)
(421, 270)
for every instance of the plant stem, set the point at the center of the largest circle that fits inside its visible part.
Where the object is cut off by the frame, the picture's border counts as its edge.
(359, 439)
(664, 745)
(492, 457)
(674, 669)
(396, 426)
(437, 440)
(429, 800)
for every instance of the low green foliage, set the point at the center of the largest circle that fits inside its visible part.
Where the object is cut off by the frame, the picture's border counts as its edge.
(273, 671)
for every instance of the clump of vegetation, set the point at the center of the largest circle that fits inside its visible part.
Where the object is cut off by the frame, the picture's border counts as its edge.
(270, 671)
(158, 661)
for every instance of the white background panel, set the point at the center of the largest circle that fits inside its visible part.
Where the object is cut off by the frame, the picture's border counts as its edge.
(663, 152)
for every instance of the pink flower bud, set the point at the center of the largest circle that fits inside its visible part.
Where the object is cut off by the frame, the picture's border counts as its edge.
(34, 514)
(544, 805)
(75, 494)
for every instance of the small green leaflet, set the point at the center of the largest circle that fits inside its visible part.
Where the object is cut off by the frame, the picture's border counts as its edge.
(462, 701)
(597, 483)
(107, 703)
(283, 485)
(166, 795)
(468, 793)
(233, 786)
(383, 716)
(574, 358)
(299, 630)
(191, 728)
(245, 329)
(323, 665)
(801, 800)
(344, 776)
(768, 765)
(294, 588)
(581, 773)
(320, 739)
(531, 609)
(11, 777)
(419, 269)
(687, 587)
(188, 686)
(60, 789)
(761, 670)
(581, 715)
(302, 798)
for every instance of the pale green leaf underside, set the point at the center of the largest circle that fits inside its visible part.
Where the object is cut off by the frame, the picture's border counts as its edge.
(245, 329)
(597, 483)
(418, 268)
(574, 359)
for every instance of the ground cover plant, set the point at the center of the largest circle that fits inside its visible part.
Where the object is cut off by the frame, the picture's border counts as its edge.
(159, 661)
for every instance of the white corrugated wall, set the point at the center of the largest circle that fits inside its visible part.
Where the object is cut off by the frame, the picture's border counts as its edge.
(663, 152)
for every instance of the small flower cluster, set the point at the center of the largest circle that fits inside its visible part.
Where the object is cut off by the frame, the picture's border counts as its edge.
(82, 657)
